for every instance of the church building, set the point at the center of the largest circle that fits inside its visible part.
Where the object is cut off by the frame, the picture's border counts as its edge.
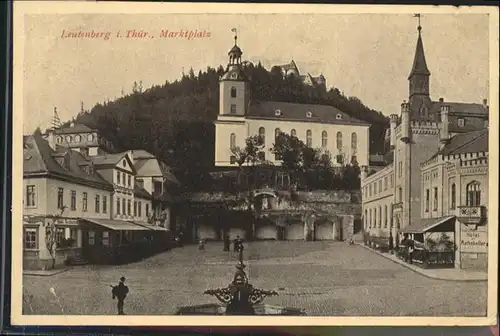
(318, 126)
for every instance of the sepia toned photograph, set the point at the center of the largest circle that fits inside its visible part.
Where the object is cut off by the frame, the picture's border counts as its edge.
(253, 162)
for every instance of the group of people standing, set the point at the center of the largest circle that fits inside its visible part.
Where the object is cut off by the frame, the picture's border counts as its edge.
(237, 244)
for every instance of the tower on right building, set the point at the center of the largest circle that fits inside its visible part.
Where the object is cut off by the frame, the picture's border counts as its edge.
(434, 187)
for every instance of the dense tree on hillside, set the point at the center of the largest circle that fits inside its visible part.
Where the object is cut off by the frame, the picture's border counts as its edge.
(175, 120)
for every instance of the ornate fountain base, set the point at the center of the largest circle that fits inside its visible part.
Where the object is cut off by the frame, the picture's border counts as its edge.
(259, 309)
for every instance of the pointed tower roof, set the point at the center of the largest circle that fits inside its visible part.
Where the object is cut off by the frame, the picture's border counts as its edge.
(419, 63)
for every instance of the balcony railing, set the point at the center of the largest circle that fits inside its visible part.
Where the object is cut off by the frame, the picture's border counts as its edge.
(471, 214)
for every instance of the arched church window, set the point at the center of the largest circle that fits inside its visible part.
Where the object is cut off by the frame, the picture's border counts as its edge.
(309, 138)
(262, 135)
(233, 92)
(276, 133)
(354, 141)
(324, 139)
(473, 194)
(339, 141)
(232, 141)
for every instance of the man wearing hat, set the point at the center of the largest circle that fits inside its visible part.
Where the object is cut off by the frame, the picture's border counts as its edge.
(120, 292)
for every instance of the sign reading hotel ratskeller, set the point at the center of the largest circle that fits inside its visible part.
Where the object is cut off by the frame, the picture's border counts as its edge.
(474, 241)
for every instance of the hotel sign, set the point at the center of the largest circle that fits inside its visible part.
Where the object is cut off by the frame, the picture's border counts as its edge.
(474, 242)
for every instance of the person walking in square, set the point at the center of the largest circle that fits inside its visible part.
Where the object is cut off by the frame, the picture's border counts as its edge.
(120, 293)
(227, 243)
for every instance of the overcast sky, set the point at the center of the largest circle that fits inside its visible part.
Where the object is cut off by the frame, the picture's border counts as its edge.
(364, 55)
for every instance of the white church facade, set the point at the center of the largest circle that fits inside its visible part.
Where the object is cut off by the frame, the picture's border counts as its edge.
(318, 126)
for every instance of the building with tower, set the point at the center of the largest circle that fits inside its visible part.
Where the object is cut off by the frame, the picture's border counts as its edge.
(319, 126)
(431, 143)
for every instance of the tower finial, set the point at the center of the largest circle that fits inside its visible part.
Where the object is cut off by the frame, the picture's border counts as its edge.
(418, 15)
(235, 35)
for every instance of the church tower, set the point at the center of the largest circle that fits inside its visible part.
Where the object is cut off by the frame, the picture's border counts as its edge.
(233, 85)
(419, 93)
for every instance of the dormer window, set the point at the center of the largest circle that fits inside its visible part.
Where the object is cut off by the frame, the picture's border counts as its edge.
(90, 137)
(277, 113)
(59, 139)
(78, 138)
(69, 138)
(339, 116)
(309, 114)
(461, 122)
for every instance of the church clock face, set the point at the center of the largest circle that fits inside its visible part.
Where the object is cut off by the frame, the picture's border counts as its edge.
(234, 75)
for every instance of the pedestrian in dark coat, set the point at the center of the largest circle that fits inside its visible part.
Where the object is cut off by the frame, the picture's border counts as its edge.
(227, 243)
(235, 243)
(120, 292)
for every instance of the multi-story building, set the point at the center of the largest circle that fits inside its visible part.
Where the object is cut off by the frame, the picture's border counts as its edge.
(326, 127)
(455, 190)
(394, 194)
(94, 195)
(61, 185)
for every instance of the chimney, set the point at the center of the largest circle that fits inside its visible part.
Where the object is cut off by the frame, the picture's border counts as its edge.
(441, 100)
(51, 138)
(393, 122)
(485, 103)
(405, 122)
(444, 134)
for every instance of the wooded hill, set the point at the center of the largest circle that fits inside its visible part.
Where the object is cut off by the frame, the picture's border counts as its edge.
(175, 120)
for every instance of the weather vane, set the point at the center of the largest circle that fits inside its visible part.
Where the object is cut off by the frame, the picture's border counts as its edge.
(418, 15)
(235, 35)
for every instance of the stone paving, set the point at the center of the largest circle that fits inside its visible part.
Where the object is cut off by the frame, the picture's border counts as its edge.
(453, 274)
(324, 278)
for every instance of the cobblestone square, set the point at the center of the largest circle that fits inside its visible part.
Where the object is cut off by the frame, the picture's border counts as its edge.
(324, 278)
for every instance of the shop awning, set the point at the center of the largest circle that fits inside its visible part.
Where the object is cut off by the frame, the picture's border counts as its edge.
(150, 226)
(430, 224)
(116, 225)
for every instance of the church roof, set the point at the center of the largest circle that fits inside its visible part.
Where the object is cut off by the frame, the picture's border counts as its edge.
(300, 112)
(234, 73)
(235, 50)
(419, 63)
(289, 66)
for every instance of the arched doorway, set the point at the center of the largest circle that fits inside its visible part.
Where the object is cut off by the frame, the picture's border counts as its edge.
(324, 229)
(294, 230)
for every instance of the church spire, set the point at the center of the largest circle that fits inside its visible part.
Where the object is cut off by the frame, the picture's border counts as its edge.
(419, 63)
(235, 52)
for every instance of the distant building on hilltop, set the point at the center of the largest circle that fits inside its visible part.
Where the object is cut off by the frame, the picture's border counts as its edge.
(291, 69)
(436, 176)
(345, 137)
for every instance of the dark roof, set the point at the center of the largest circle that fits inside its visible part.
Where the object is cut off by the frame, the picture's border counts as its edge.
(471, 142)
(419, 64)
(141, 192)
(467, 109)
(40, 158)
(234, 73)
(288, 66)
(298, 112)
(77, 128)
(163, 197)
(108, 159)
(235, 50)
(428, 224)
